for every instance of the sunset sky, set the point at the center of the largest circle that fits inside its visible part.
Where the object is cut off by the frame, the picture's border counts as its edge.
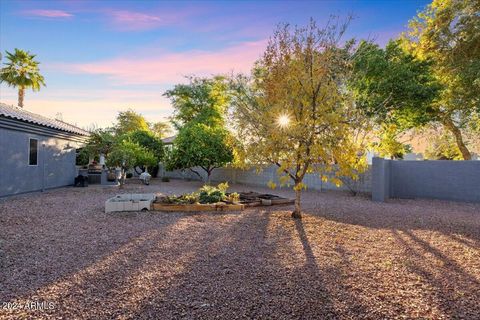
(100, 57)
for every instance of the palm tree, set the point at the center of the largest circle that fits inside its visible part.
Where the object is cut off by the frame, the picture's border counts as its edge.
(21, 71)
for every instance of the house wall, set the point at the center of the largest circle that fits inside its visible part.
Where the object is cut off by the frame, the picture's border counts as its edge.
(55, 168)
(441, 179)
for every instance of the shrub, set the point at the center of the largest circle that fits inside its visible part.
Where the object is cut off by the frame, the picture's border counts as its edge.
(211, 194)
(188, 198)
(233, 197)
(82, 157)
(129, 175)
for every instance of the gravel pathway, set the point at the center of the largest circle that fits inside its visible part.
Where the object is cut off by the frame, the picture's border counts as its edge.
(62, 257)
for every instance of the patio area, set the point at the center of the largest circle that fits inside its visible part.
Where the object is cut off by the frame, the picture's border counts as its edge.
(347, 258)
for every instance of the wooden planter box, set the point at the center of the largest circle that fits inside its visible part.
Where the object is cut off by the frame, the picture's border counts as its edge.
(282, 201)
(272, 202)
(157, 206)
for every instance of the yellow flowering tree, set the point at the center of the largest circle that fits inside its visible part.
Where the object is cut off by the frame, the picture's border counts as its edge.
(294, 110)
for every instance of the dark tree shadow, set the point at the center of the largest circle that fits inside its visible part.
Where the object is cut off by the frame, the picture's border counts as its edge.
(456, 291)
(241, 274)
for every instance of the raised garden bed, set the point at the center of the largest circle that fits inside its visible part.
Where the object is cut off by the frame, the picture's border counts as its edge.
(253, 199)
(158, 206)
(130, 202)
(246, 199)
(208, 198)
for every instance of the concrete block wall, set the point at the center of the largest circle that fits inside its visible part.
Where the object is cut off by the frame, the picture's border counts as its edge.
(441, 179)
(381, 186)
(261, 178)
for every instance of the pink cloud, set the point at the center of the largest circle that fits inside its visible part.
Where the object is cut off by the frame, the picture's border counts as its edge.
(48, 13)
(168, 68)
(129, 20)
(124, 20)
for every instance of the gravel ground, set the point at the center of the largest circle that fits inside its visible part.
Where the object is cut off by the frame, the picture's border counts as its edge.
(348, 258)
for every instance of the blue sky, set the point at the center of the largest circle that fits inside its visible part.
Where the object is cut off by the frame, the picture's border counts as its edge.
(100, 57)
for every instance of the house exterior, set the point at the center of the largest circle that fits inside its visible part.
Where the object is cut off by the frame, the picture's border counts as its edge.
(36, 153)
(169, 140)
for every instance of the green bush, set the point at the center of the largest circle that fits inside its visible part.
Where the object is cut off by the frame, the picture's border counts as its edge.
(211, 194)
(206, 194)
(82, 157)
(188, 198)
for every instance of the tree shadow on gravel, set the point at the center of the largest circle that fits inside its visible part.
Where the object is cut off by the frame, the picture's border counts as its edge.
(67, 265)
(258, 267)
(48, 237)
(335, 280)
(445, 217)
(439, 248)
(456, 291)
(119, 285)
(237, 275)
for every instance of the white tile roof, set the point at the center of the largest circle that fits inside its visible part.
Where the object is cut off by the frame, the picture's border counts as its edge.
(12, 112)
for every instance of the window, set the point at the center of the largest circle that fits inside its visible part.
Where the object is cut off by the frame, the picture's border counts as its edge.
(33, 153)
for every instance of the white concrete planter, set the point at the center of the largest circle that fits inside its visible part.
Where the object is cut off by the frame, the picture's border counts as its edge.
(130, 202)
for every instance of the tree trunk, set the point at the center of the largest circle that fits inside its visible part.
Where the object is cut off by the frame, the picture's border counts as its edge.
(297, 213)
(21, 96)
(448, 123)
(208, 178)
(122, 178)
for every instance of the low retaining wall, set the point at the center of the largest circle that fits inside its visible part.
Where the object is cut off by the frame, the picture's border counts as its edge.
(441, 179)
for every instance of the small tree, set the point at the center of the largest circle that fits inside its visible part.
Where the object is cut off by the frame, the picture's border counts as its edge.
(101, 141)
(199, 117)
(199, 145)
(149, 141)
(126, 155)
(295, 112)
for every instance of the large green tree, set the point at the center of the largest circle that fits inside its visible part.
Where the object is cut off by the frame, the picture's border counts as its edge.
(201, 100)
(202, 140)
(161, 129)
(392, 86)
(22, 72)
(294, 112)
(128, 121)
(447, 34)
